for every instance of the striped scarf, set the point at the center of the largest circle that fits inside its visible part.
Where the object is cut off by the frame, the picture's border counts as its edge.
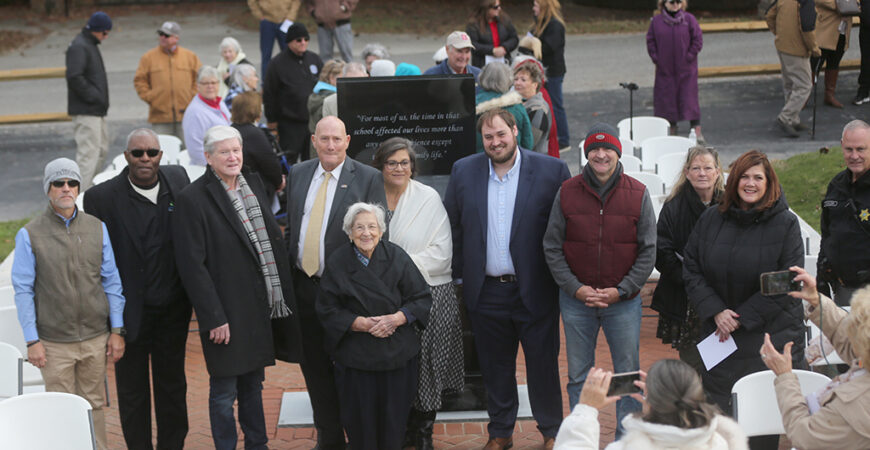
(251, 217)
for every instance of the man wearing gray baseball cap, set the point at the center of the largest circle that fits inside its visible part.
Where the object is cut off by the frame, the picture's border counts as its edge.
(68, 294)
(166, 80)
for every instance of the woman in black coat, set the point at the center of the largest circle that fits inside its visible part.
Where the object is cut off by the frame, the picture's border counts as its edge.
(259, 156)
(750, 233)
(371, 298)
(699, 187)
(488, 15)
(238, 279)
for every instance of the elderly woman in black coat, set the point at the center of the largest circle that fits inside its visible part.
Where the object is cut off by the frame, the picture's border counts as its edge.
(235, 270)
(698, 187)
(371, 296)
(750, 233)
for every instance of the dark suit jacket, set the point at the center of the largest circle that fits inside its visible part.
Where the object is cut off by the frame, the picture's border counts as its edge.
(466, 203)
(221, 273)
(349, 290)
(357, 183)
(110, 202)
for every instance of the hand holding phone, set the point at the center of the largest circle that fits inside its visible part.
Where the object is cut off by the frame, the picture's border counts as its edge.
(779, 283)
(623, 384)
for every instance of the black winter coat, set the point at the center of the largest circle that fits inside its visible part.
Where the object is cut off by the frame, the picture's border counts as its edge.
(110, 202)
(259, 157)
(676, 222)
(86, 83)
(288, 82)
(483, 43)
(724, 257)
(349, 290)
(221, 273)
(553, 48)
(846, 228)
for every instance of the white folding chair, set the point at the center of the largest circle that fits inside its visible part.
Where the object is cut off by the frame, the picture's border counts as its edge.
(630, 163)
(810, 263)
(10, 333)
(754, 400)
(653, 182)
(105, 175)
(119, 162)
(658, 201)
(194, 172)
(644, 127)
(183, 158)
(627, 146)
(655, 147)
(11, 363)
(168, 141)
(582, 153)
(47, 420)
(669, 168)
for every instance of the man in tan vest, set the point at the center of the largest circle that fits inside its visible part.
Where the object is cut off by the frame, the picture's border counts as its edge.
(68, 292)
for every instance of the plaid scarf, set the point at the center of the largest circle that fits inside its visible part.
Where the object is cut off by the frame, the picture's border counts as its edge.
(251, 217)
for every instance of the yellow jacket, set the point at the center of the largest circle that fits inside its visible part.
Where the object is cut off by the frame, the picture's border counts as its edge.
(828, 25)
(167, 82)
(783, 20)
(274, 11)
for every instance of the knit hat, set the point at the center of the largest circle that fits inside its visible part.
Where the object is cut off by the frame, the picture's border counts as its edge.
(60, 168)
(602, 135)
(383, 68)
(296, 31)
(99, 21)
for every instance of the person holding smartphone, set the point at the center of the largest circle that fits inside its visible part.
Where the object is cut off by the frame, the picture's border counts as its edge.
(675, 413)
(751, 232)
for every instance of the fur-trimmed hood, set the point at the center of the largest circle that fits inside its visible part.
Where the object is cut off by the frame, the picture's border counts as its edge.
(511, 98)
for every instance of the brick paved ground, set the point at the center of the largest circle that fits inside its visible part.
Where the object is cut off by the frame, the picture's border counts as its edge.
(288, 377)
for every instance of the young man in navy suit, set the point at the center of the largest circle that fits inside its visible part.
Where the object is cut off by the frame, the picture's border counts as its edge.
(499, 202)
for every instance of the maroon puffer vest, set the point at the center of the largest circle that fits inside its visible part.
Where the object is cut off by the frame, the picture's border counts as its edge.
(601, 243)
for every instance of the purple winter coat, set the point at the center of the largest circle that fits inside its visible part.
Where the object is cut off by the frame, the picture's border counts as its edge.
(673, 43)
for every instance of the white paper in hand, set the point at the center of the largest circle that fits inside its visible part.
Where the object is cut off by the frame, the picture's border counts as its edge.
(285, 25)
(713, 352)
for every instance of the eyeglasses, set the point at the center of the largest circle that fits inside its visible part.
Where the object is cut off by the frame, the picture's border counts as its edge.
(393, 164)
(209, 83)
(675, 2)
(300, 39)
(152, 152)
(496, 7)
(60, 183)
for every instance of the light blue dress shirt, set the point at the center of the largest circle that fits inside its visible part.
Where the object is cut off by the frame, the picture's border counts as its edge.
(501, 196)
(24, 276)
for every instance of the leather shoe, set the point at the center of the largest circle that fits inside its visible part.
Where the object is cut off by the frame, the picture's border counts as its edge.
(499, 444)
(549, 442)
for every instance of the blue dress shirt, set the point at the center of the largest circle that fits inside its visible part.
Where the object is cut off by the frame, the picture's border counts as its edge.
(501, 196)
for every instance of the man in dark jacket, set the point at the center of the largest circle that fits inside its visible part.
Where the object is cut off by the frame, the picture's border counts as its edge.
(844, 259)
(600, 245)
(458, 60)
(138, 208)
(88, 95)
(289, 81)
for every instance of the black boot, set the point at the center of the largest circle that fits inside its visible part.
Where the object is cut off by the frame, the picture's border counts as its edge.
(424, 430)
(411, 429)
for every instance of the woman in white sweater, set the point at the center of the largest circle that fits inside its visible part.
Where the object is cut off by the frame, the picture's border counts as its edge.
(418, 223)
(675, 414)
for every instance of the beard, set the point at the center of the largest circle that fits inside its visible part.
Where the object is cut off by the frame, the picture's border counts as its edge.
(507, 156)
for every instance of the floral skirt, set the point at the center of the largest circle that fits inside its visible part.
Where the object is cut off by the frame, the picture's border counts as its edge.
(680, 334)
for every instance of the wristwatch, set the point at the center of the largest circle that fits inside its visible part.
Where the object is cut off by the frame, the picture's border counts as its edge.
(119, 331)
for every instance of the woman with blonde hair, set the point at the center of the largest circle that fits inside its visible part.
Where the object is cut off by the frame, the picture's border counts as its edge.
(492, 34)
(698, 187)
(837, 416)
(324, 88)
(676, 414)
(549, 27)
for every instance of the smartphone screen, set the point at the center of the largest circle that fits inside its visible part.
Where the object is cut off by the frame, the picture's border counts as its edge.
(623, 384)
(778, 283)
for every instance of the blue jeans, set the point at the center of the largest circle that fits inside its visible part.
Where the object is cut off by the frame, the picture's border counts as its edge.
(554, 87)
(269, 33)
(621, 324)
(223, 391)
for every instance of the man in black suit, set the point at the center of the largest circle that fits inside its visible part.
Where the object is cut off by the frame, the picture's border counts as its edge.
(314, 231)
(138, 207)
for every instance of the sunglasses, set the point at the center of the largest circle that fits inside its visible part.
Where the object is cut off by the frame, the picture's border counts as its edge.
(152, 152)
(675, 2)
(61, 183)
(496, 7)
(300, 39)
(162, 34)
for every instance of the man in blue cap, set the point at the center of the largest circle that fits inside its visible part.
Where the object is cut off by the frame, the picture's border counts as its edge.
(88, 95)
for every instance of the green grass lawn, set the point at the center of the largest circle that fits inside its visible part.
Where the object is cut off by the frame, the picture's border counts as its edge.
(7, 236)
(805, 178)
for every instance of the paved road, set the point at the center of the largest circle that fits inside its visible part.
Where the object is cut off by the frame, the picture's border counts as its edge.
(737, 113)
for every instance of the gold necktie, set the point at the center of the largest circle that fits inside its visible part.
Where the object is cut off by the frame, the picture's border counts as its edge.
(311, 249)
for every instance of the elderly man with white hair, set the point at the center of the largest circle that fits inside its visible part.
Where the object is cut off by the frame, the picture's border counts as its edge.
(458, 60)
(235, 270)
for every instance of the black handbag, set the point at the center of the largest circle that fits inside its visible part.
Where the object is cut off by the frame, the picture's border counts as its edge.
(848, 7)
